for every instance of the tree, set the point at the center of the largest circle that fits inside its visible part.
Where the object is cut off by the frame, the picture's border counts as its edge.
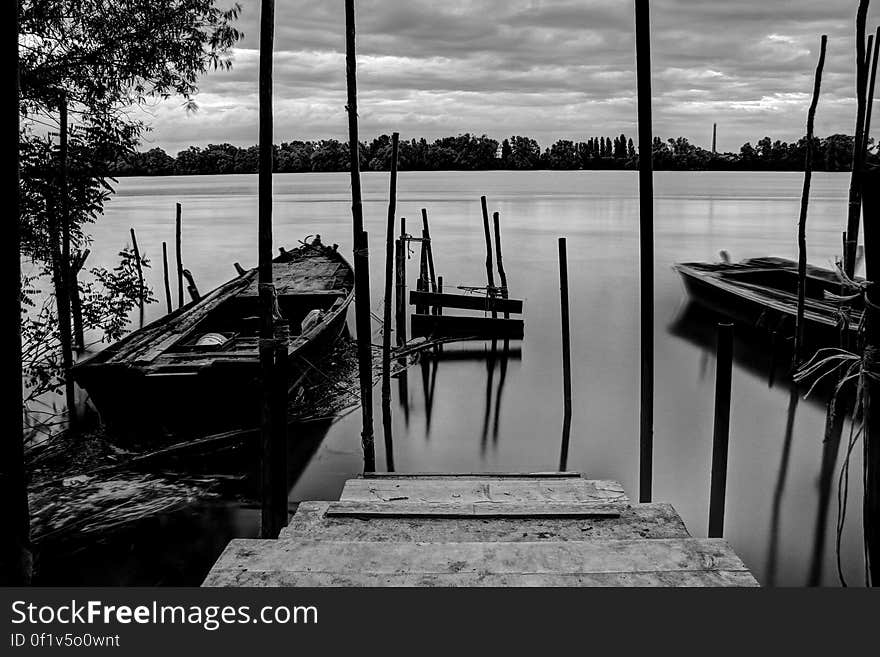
(95, 61)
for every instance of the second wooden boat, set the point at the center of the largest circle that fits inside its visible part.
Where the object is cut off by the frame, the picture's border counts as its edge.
(197, 368)
(763, 291)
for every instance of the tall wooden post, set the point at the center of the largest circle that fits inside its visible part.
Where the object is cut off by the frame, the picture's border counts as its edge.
(429, 245)
(140, 274)
(721, 434)
(15, 543)
(490, 277)
(168, 301)
(273, 424)
(805, 202)
(854, 208)
(714, 138)
(566, 352)
(178, 246)
(386, 320)
(870, 97)
(870, 184)
(361, 256)
(502, 276)
(62, 279)
(646, 249)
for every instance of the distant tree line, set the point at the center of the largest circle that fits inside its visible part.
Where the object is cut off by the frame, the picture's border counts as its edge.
(472, 153)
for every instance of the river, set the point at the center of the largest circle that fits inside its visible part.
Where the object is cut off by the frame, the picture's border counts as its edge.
(774, 518)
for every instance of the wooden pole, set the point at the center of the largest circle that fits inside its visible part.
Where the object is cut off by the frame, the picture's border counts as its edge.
(361, 256)
(168, 301)
(721, 434)
(502, 276)
(854, 208)
(566, 351)
(79, 338)
(805, 201)
(429, 245)
(646, 249)
(62, 267)
(490, 277)
(140, 273)
(191, 285)
(400, 292)
(178, 246)
(386, 323)
(870, 183)
(870, 97)
(15, 545)
(273, 421)
(714, 138)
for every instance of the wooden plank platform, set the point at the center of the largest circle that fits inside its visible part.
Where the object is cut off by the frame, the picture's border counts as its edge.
(465, 490)
(303, 562)
(639, 521)
(454, 326)
(465, 302)
(473, 529)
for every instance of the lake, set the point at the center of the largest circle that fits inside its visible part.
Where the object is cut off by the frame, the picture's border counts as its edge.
(479, 413)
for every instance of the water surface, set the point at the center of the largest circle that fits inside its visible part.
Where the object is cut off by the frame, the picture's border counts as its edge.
(457, 419)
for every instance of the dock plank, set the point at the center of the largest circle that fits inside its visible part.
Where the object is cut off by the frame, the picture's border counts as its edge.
(358, 509)
(639, 521)
(483, 490)
(660, 562)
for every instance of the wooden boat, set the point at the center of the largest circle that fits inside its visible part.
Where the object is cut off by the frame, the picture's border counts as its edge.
(763, 291)
(197, 368)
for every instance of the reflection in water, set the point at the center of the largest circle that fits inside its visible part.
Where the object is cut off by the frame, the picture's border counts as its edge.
(490, 375)
(502, 375)
(835, 416)
(773, 548)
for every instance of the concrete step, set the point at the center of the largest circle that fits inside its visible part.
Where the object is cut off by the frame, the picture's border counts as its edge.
(309, 562)
(648, 521)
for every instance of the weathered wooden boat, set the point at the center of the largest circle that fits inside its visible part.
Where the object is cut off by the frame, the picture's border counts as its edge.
(197, 368)
(763, 291)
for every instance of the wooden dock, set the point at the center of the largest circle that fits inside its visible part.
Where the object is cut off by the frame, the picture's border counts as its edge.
(525, 529)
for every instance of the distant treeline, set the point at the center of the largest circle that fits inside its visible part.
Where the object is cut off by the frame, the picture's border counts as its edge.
(471, 153)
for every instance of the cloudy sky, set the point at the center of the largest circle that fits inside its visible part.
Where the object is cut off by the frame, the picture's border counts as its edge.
(547, 69)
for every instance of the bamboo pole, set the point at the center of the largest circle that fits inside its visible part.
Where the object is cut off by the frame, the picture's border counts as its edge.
(646, 249)
(386, 323)
(168, 301)
(15, 545)
(870, 184)
(178, 246)
(854, 207)
(62, 269)
(870, 97)
(805, 201)
(721, 433)
(140, 274)
(566, 351)
(273, 424)
(429, 245)
(361, 256)
(490, 277)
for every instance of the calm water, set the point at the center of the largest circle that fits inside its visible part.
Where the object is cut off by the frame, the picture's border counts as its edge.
(773, 502)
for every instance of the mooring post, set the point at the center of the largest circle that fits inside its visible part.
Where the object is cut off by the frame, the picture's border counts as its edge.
(566, 351)
(870, 97)
(870, 183)
(805, 202)
(646, 249)
(273, 425)
(721, 434)
(386, 319)
(400, 292)
(854, 207)
(361, 256)
(15, 547)
(140, 274)
(438, 309)
(490, 277)
(426, 234)
(168, 301)
(714, 138)
(178, 247)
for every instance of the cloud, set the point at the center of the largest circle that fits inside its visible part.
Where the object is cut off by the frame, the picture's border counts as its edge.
(549, 69)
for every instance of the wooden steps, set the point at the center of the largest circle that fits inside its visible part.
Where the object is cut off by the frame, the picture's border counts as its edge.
(525, 529)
